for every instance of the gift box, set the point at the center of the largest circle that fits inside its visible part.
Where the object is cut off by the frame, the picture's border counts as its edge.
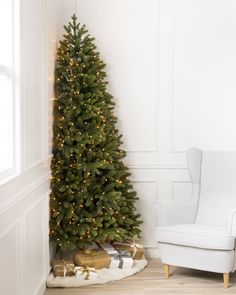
(96, 258)
(136, 250)
(121, 259)
(62, 267)
(85, 272)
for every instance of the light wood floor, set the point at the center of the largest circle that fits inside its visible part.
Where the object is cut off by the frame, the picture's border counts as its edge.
(151, 281)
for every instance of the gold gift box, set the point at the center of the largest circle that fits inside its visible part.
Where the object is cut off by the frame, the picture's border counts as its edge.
(96, 258)
(62, 268)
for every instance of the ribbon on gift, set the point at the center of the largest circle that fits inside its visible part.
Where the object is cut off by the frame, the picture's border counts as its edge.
(119, 256)
(85, 271)
(132, 244)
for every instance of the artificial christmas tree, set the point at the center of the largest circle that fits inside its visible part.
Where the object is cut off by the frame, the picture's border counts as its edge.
(92, 198)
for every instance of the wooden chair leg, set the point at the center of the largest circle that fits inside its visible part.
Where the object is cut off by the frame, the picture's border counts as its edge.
(226, 279)
(166, 268)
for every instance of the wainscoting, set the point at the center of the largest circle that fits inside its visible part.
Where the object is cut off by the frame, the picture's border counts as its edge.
(24, 242)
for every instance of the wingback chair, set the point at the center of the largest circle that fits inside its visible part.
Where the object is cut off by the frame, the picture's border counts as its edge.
(201, 234)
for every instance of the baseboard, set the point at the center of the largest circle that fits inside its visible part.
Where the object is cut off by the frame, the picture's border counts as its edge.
(152, 252)
(42, 288)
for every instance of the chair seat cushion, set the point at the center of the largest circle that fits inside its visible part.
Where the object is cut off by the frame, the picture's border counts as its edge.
(196, 235)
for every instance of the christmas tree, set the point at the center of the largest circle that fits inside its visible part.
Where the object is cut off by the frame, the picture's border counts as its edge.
(92, 198)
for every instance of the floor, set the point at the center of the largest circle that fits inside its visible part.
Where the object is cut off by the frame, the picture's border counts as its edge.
(151, 281)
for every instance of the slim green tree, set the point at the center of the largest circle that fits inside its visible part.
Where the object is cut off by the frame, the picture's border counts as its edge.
(92, 198)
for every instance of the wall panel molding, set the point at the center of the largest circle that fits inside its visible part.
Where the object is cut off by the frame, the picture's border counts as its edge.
(157, 167)
(35, 244)
(9, 251)
(14, 219)
(14, 213)
(133, 84)
(203, 75)
(17, 188)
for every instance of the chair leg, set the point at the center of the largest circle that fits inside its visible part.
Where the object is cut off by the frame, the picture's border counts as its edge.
(166, 268)
(226, 279)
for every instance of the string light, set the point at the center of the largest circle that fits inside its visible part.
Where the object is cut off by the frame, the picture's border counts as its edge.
(74, 104)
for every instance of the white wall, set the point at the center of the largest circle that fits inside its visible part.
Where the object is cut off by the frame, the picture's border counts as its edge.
(24, 207)
(172, 70)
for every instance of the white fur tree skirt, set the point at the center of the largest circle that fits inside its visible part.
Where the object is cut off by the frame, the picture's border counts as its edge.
(104, 275)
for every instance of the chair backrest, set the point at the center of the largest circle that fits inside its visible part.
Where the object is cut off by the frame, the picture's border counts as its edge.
(217, 190)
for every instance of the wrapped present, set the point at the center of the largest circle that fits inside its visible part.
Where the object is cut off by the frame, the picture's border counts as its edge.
(138, 250)
(85, 272)
(96, 258)
(112, 253)
(121, 259)
(62, 267)
(135, 249)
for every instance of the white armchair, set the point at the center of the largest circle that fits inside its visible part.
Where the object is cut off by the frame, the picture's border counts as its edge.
(201, 234)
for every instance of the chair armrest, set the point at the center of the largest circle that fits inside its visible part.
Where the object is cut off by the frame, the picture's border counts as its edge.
(232, 223)
(171, 213)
